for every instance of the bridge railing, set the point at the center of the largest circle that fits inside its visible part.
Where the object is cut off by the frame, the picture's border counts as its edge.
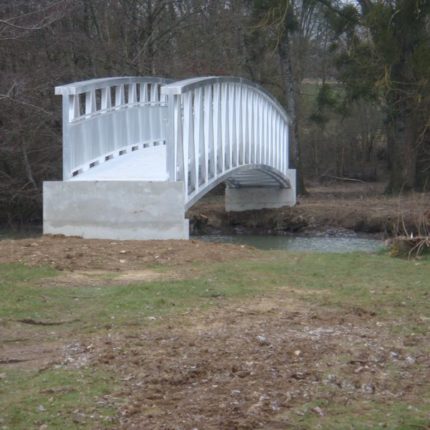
(217, 125)
(107, 118)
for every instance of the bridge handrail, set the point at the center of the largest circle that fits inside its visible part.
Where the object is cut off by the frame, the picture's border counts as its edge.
(101, 119)
(181, 87)
(97, 84)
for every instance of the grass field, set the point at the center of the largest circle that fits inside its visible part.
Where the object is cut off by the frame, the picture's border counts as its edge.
(323, 341)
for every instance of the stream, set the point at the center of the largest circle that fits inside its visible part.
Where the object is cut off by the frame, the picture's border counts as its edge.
(323, 243)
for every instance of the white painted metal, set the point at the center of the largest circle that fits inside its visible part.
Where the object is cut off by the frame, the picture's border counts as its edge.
(97, 129)
(224, 129)
(145, 165)
(200, 131)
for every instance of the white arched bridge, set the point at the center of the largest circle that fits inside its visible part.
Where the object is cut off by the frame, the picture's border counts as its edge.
(139, 151)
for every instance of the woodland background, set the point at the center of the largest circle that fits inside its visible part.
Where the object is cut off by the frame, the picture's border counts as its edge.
(353, 76)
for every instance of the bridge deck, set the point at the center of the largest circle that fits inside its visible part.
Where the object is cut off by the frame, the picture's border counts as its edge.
(148, 164)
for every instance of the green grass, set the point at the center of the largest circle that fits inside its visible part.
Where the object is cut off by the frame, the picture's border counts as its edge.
(56, 398)
(364, 415)
(391, 288)
(376, 283)
(24, 298)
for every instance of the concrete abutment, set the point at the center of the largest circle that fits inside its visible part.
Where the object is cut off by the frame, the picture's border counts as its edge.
(118, 210)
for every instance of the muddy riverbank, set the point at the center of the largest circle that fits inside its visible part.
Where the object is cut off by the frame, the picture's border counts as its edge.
(333, 208)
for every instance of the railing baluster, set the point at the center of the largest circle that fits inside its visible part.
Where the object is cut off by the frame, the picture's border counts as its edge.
(171, 137)
(86, 147)
(243, 124)
(259, 119)
(132, 94)
(106, 102)
(251, 126)
(179, 139)
(262, 131)
(153, 117)
(199, 137)
(224, 125)
(247, 130)
(143, 91)
(188, 136)
(74, 108)
(208, 132)
(256, 129)
(275, 140)
(216, 126)
(119, 96)
(154, 94)
(90, 102)
(266, 135)
(238, 124)
(270, 137)
(231, 136)
(284, 150)
(278, 143)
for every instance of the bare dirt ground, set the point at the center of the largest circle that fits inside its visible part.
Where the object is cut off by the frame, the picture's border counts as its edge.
(72, 253)
(361, 207)
(258, 365)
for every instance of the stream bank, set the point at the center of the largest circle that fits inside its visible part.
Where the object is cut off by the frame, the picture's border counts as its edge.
(329, 209)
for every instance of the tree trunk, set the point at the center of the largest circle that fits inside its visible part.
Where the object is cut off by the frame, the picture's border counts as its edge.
(402, 151)
(422, 182)
(291, 95)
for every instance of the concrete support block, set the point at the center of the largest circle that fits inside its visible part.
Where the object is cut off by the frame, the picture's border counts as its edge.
(244, 199)
(119, 210)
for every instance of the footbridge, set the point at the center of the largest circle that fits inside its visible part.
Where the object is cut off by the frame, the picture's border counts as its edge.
(139, 151)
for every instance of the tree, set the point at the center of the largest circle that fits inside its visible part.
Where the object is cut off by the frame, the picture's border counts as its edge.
(294, 26)
(385, 58)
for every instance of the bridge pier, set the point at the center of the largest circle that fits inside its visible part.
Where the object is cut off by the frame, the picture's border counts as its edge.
(254, 198)
(117, 210)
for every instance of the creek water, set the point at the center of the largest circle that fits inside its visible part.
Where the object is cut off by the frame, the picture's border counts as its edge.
(339, 244)
(322, 242)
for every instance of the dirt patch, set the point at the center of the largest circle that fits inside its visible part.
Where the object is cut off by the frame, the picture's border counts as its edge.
(95, 278)
(361, 207)
(28, 345)
(257, 365)
(71, 253)
(34, 356)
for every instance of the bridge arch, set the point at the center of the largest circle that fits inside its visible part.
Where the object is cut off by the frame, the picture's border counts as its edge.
(225, 129)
